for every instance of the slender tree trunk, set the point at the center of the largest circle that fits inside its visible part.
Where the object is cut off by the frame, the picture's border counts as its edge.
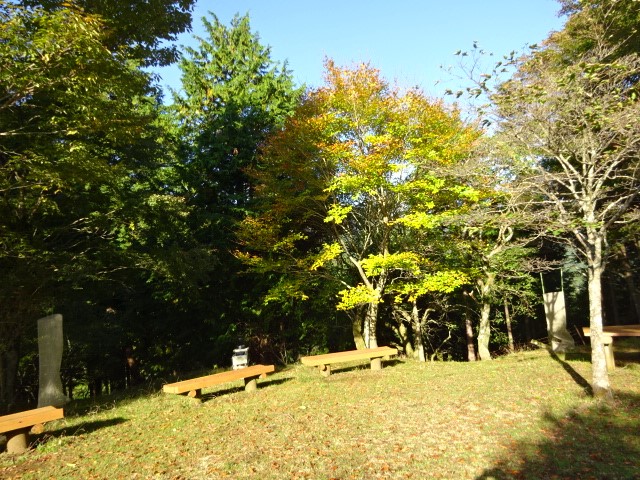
(484, 332)
(8, 374)
(527, 328)
(471, 349)
(507, 319)
(611, 300)
(600, 376)
(417, 333)
(484, 327)
(356, 328)
(370, 324)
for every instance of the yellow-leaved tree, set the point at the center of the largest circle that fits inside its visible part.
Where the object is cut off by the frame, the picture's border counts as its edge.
(352, 187)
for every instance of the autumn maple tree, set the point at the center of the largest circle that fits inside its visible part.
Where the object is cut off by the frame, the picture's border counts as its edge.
(353, 175)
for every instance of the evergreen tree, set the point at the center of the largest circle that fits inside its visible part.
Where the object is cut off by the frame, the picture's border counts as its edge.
(233, 95)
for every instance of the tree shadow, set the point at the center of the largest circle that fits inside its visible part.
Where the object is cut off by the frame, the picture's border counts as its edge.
(579, 379)
(343, 368)
(599, 441)
(262, 384)
(85, 406)
(272, 383)
(75, 430)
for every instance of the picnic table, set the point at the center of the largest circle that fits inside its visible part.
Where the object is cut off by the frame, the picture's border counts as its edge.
(609, 332)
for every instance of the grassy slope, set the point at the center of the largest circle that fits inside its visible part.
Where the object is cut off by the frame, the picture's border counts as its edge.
(522, 416)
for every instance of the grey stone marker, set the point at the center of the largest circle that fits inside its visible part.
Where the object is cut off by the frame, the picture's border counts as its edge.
(554, 308)
(50, 346)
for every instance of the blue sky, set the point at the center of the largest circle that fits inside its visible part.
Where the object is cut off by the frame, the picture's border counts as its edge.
(408, 40)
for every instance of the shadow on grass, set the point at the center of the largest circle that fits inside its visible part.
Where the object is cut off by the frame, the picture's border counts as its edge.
(579, 379)
(85, 406)
(76, 430)
(342, 368)
(261, 385)
(626, 352)
(86, 427)
(600, 441)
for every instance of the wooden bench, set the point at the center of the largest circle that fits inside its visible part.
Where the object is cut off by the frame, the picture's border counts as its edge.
(16, 427)
(324, 362)
(607, 339)
(193, 387)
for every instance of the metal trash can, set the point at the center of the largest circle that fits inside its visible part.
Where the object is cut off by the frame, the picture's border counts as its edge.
(240, 357)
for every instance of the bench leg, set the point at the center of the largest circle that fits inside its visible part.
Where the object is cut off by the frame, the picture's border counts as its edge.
(376, 363)
(37, 429)
(325, 370)
(195, 393)
(17, 440)
(608, 353)
(250, 384)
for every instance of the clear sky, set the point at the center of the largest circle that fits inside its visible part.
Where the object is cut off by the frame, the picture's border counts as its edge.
(408, 40)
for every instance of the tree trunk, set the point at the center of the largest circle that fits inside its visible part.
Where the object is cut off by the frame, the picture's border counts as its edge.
(471, 349)
(484, 328)
(8, 374)
(507, 319)
(484, 332)
(610, 302)
(356, 329)
(417, 332)
(527, 328)
(600, 376)
(370, 324)
(403, 334)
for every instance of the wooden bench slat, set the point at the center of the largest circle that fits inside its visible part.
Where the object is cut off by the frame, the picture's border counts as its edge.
(209, 380)
(338, 357)
(29, 418)
(26, 412)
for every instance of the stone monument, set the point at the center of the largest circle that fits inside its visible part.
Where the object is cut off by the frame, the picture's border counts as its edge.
(555, 311)
(50, 345)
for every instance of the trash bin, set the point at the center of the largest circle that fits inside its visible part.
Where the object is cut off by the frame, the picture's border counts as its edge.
(240, 357)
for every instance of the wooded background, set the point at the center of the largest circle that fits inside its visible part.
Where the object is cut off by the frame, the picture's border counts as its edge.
(247, 210)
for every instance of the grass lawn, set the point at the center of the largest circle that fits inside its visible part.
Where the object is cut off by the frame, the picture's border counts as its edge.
(524, 416)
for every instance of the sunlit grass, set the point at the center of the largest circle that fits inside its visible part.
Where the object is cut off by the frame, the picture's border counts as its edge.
(523, 416)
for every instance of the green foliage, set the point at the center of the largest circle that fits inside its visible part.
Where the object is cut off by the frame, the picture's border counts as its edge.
(233, 95)
(357, 164)
(147, 39)
(89, 214)
(328, 253)
(444, 281)
(586, 17)
(358, 295)
(65, 143)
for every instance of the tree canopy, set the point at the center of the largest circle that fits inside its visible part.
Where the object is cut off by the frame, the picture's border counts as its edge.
(300, 220)
(354, 171)
(150, 38)
(570, 113)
